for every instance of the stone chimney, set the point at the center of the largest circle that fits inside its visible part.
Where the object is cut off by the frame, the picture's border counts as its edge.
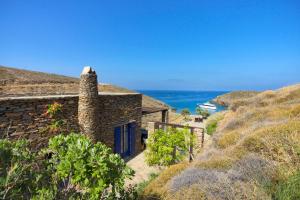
(88, 103)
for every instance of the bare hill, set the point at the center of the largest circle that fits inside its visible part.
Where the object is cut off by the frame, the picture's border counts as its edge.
(19, 76)
(18, 82)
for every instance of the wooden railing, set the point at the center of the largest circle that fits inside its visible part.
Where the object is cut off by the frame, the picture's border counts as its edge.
(161, 125)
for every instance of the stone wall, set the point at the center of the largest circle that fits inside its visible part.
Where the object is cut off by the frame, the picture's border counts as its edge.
(153, 117)
(24, 117)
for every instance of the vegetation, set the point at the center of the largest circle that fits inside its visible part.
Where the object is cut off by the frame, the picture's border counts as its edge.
(71, 167)
(228, 139)
(204, 113)
(141, 186)
(289, 189)
(255, 152)
(212, 123)
(229, 98)
(17, 170)
(186, 114)
(211, 127)
(157, 189)
(168, 147)
(54, 112)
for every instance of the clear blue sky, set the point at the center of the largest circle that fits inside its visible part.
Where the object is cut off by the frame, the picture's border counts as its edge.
(157, 44)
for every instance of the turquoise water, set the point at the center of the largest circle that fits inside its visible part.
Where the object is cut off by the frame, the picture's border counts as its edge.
(184, 99)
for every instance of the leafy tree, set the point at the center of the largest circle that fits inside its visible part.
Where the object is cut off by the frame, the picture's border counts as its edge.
(204, 113)
(185, 113)
(161, 145)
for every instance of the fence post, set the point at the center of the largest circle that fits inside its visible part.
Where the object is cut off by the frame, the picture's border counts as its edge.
(202, 138)
(191, 145)
(151, 128)
(174, 154)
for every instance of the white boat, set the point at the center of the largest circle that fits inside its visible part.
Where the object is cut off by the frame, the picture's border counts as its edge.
(208, 106)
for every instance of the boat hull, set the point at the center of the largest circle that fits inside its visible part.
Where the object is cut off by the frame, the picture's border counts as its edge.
(208, 107)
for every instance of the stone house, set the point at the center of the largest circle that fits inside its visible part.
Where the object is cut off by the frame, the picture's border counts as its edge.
(109, 117)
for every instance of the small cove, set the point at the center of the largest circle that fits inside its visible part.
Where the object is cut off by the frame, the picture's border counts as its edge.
(184, 99)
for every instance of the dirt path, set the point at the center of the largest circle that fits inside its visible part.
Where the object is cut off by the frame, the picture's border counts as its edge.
(142, 170)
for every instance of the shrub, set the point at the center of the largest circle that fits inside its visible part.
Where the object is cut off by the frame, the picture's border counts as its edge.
(54, 109)
(212, 123)
(71, 167)
(168, 147)
(220, 163)
(214, 184)
(204, 113)
(191, 192)
(211, 127)
(54, 112)
(18, 177)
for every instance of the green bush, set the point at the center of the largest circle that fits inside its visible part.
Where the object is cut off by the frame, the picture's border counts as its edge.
(71, 167)
(86, 169)
(212, 122)
(161, 145)
(290, 189)
(211, 127)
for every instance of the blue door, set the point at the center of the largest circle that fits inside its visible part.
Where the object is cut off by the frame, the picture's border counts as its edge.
(125, 140)
(117, 140)
(131, 128)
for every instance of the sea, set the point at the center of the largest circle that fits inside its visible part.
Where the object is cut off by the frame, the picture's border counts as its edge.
(185, 99)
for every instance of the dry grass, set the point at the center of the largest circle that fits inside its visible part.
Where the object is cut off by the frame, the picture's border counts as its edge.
(216, 161)
(279, 143)
(255, 147)
(228, 139)
(158, 188)
(188, 193)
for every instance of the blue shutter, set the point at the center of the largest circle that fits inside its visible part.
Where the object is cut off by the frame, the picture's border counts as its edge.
(117, 140)
(132, 127)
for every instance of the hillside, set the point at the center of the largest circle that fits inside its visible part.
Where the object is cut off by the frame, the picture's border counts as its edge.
(254, 154)
(18, 82)
(229, 98)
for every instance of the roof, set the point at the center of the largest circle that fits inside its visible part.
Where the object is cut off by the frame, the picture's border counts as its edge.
(149, 110)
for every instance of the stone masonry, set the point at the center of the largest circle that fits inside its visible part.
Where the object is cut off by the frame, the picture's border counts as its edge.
(24, 117)
(88, 113)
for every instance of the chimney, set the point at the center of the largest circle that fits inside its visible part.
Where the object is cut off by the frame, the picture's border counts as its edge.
(88, 103)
